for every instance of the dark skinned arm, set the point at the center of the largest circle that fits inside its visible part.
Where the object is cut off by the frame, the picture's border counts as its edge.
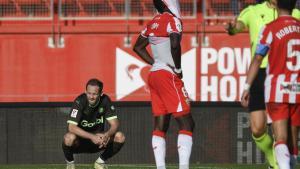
(175, 39)
(140, 49)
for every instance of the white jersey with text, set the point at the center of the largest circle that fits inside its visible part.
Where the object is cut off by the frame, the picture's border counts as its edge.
(158, 31)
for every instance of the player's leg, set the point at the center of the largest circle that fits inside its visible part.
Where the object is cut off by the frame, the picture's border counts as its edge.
(161, 125)
(280, 114)
(295, 123)
(67, 146)
(176, 100)
(185, 139)
(281, 149)
(113, 147)
(293, 145)
(158, 81)
(258, 119)
(73, 144)
(263, 140)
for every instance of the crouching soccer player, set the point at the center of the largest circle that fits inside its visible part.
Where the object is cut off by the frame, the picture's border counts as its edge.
(86, 121)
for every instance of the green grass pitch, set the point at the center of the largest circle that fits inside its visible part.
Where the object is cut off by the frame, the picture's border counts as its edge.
(128, 166)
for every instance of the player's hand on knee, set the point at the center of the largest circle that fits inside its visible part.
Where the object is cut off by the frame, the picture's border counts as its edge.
(104, 139)
(96, 139)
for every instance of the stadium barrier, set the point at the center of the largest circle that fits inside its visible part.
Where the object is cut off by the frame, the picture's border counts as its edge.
(219, 12)
(22, 10)
(116, 9)
(33, 134)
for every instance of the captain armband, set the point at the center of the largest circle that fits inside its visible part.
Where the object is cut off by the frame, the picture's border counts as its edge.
(262, 50)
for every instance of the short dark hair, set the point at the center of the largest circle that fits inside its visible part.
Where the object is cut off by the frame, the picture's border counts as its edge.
(260, 1)
(286, 4)
(159, 5)
(95, 82)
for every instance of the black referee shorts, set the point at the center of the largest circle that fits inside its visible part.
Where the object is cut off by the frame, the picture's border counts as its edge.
(257, 96)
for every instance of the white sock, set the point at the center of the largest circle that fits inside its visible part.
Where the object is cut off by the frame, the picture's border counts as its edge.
(184, 144)
(282, 156)
(100, 161)
(159, 149)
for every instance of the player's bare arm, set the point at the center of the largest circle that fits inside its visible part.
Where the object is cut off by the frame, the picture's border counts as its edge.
(84, 134)
(253, 70)
(114, 125)
(235, 27)
(140, 49)
(175, 39)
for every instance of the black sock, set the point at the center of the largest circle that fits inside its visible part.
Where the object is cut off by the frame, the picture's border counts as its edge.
(111, 149)
(68, 152)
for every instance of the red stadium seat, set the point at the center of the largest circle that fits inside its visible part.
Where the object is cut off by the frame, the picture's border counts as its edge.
(7, 8)
(119, 7)
(95, 8)
(70, 8)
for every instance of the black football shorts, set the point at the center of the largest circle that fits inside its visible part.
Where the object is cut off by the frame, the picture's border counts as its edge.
(257, 97)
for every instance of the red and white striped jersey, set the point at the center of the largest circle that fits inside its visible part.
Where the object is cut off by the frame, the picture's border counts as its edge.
(281, 38)
(158, 31)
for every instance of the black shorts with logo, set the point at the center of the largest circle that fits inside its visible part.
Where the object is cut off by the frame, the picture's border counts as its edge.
(257, 97)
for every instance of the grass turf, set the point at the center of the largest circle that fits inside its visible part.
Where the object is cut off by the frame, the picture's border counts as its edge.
(129, 166)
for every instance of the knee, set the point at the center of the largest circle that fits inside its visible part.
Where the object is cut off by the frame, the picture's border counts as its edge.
(257, 131)
(119, 137)
(163, 127)
(188, 125)
(69, 139)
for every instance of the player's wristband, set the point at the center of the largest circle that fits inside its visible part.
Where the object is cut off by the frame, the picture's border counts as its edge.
(177, 70)
(247, 86)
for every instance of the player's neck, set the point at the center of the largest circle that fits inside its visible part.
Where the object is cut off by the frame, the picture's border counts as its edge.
(271, 4)
(283, 12)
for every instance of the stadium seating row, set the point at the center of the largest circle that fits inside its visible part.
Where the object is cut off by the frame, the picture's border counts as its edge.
(35, 8)
(24, 8)
(226, 7)
(115, 7)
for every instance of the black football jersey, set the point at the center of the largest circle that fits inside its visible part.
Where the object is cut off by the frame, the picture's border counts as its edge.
(91, 118)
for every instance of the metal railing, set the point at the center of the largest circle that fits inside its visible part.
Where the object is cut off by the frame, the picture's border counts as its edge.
(86, 9)
(226, 9)
(116, 9)
(223, 9)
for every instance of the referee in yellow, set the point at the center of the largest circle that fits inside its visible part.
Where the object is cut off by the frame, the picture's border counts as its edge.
(253, 18)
